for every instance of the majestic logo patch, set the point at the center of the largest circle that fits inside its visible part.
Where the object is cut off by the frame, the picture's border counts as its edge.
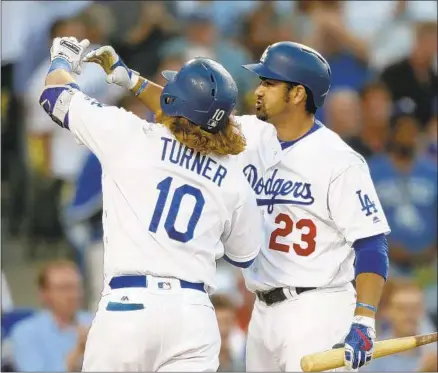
(298, 193)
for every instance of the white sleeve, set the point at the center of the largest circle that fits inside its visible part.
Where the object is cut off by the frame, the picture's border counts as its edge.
(354, 205)
(103, 129)
(243, 239)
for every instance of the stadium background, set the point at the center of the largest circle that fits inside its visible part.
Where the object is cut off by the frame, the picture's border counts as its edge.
(383, 102)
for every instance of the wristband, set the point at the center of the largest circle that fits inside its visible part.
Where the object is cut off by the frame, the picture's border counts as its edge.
(365, 305)
(142, 87)
(60, 63)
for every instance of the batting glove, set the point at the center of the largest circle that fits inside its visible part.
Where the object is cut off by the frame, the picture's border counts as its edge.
(116, 70)
(70, 50)
(359, 342)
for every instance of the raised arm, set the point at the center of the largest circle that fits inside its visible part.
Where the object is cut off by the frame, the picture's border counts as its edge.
(105, 130)
(118, 73)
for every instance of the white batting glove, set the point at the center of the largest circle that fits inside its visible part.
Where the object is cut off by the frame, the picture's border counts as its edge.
(71, 50)
(116, 70)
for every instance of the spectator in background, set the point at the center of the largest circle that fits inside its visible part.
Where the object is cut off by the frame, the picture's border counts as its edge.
(415, 77)
(343, 114)
(260, 28)
(99, 23)
(201, 39)
(54, 155)
(154, 27)
(7, 303)
(231, 355)
(407, 187)
(376, 108)
(347, 54)
(53, 340)
(405, 310)
(431, 132)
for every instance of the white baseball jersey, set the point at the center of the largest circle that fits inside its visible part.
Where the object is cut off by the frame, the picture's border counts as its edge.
(168, 211)
(317, 198)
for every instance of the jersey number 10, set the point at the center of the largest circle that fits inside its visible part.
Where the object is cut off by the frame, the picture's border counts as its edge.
(175, 205)
(306, 238)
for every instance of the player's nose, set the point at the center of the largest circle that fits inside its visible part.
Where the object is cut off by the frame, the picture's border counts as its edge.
(259, 91)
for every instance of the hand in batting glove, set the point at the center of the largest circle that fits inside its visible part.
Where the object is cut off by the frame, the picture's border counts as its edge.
(359, 342)
(116, 70)
(70, 50)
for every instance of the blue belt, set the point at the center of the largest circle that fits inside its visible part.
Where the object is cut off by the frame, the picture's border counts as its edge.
(140, 281)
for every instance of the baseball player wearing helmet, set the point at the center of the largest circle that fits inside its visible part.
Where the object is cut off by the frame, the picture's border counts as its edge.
(323, 222)
(174, 201)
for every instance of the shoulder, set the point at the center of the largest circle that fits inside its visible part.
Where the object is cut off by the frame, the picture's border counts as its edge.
(394, 69)
(30, 325)
(335, 153)
(427, 166)
(254, 129)
(85, 317)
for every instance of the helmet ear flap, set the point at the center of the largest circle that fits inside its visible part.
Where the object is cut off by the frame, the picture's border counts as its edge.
(169, 103)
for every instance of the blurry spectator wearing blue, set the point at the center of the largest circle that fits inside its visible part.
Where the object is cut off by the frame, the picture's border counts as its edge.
(415, 77)
(202, 39)
(54, 155)
(375, 110)
(342, 112)
(325, 30)
(53, 340)
(406, 314)
(406, 182)
(321, 25)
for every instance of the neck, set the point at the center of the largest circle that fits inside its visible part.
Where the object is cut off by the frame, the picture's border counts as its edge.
(402, 164)
(63, 320)
(375, 135)
(420, 65)
(292, 126)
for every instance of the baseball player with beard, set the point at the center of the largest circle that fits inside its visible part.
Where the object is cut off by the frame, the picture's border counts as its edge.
(174, 201)
(324, 223)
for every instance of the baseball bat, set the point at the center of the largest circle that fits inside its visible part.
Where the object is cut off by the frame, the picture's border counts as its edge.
(332, 359)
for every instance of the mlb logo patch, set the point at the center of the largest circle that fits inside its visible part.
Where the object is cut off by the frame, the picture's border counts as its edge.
(164, 285)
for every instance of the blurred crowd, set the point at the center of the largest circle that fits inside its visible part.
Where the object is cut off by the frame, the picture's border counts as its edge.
(383, 102)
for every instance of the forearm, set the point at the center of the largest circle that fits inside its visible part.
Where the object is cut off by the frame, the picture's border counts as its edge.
(357, 46)
(74, 360)
(371, 268)
(369, 288)
(150, 96)
(59, 77)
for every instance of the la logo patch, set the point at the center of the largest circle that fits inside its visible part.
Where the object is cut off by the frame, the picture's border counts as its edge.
(368, 206)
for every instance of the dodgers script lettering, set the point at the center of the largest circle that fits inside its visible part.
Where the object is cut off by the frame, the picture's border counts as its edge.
(298, 193)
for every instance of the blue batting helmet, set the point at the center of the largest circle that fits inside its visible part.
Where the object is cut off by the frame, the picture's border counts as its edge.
(202, 92)
(295, 63)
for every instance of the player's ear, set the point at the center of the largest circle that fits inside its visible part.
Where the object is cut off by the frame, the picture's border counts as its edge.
(298, 94)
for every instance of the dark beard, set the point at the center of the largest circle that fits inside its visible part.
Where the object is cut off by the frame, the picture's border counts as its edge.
(262, 116)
